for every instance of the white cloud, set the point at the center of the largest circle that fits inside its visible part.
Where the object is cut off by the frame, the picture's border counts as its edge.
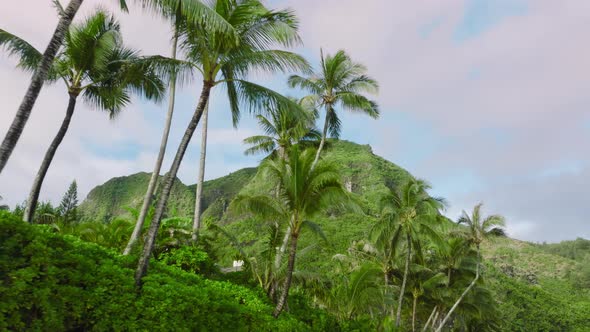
(502, 107)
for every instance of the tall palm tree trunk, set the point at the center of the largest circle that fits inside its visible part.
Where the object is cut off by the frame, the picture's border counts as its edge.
(287, 284)
(144, 259)
(147, 200)
(201, 178)
(36, 188)
(444, 321)
(398, 316)
(323, 140)
(26, 106)
(279, 255)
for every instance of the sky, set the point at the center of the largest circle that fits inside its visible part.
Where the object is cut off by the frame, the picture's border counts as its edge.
(487, 100)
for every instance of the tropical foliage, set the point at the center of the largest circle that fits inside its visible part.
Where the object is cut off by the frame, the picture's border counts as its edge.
(323, 236)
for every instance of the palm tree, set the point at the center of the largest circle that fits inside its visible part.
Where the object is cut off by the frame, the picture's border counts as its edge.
(93, 63)
(303, 193)
(407, 211)
(342, 83)
(358, 289)
(224, 58)
(283, 128)
(177, 11)
(41, 68)
(194, 9)
(478, 229)
(423, 281)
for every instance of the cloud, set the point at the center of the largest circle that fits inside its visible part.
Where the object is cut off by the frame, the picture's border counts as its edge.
(488, 103)
(502, 104)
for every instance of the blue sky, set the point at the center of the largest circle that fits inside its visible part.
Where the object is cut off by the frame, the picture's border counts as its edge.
(485, 99)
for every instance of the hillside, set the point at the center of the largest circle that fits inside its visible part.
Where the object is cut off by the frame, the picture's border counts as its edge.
(111, 199)
(538, 287)
(364, 173)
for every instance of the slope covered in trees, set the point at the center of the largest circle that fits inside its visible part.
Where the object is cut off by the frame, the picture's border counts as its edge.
(112, 198)
(525, 279)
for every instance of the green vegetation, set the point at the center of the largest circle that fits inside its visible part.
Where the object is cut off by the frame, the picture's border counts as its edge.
(322, 236)
(218, 193)
(52, 282)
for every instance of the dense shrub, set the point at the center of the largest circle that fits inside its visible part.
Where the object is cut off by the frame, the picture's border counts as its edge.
(190, 259)
(544, 307)
(55, 283)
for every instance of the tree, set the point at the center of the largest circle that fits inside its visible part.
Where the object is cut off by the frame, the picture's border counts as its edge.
(68, 208)
(94, 63)
(177, 11)
(227, 59)
(283, 129)
(340, 83)
(478, 229)
(41, 68)
(408, 211)
(304, 192)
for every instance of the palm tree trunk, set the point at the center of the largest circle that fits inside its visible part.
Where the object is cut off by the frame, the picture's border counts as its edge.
(323, 140)
(442, 324)
(147, 200)
(26, 106)
(398, 316)
(414, 314)
(142, 266)
(429, 319)
(435, 318)
(290, 267)
(279, 255)
(201, 178)
(36, 188)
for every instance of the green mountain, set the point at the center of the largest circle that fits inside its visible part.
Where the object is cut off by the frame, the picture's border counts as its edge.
(538, 287)
(364, 173)
(114, 197)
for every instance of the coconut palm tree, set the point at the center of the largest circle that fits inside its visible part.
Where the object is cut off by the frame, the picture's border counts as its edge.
(423, 281)
(408, 211)
(478, 229)
(340, 83)
(222, 60)
(303, 193)
(357, 291)
(178, 12)
(283, 128)
(93, 63)
(194, 9)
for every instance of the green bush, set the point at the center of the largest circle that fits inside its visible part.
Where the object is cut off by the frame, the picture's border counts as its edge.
(56, 283)
(190, 259)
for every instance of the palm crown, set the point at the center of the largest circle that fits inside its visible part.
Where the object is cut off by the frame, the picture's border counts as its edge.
(282, 128)
(340, 83)
(480, 228)
(222, 60)
(95, 63)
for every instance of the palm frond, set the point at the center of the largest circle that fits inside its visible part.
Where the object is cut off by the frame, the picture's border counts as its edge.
(28, 56)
